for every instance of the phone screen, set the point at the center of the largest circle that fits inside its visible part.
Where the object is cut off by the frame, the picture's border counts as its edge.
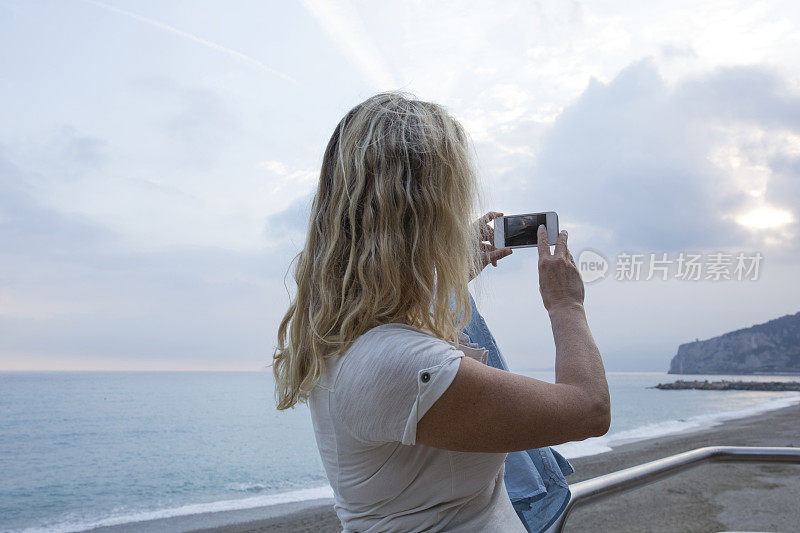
(521, 230)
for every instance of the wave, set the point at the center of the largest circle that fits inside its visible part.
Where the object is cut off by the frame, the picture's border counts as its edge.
(248, 487)
(313, 493)
(595, 445)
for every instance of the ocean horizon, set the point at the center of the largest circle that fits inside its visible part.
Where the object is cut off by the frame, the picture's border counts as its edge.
(83, 449)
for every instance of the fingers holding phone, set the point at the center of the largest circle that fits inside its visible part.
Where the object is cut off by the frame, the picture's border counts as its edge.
(560, 281)
(490, 254)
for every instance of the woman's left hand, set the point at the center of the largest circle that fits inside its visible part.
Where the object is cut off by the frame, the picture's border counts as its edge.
(489, 253)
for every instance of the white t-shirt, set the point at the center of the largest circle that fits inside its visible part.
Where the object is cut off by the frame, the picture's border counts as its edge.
(365, 411)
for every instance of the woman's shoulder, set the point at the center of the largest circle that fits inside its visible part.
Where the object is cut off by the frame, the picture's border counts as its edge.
(397, 345)
(397, 337)
(382, 379)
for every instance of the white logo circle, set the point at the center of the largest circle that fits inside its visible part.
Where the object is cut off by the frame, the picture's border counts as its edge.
(592, 266)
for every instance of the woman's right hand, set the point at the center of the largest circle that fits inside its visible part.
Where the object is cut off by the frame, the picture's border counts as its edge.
(559, 280)
(523, 413)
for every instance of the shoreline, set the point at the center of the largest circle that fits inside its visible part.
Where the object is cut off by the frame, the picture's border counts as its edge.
(610, 442)
(776, 427)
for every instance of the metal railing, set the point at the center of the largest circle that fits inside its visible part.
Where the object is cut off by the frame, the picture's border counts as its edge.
(636, 476)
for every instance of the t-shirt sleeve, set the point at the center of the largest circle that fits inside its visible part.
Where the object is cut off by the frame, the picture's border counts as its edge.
(389, 381)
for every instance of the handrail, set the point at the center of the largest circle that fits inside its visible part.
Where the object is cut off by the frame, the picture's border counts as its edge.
(603, 486)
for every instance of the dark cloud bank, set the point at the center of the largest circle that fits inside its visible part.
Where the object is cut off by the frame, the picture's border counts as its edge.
(631, 156)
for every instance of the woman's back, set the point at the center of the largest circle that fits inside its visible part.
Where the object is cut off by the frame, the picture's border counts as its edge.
(392, 240)
(365, 410)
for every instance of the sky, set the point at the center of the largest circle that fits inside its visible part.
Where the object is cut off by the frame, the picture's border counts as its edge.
(157, 161)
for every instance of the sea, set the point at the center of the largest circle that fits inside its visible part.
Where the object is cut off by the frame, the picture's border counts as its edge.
(80, 450)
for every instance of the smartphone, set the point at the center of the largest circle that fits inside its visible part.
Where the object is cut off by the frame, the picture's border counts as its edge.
(520, 231)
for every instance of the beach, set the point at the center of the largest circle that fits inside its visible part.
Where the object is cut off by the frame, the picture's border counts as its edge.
(710, 497)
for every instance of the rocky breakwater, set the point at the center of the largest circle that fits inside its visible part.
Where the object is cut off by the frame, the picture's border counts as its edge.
(779, 386)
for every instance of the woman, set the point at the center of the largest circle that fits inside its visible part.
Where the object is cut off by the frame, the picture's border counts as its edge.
(412, 426)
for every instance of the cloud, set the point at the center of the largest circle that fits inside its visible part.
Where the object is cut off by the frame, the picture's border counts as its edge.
(198, 122)
(671, 51)
(77, 149)
(344, 27)
(635, 158)
(289, 227)
(637, 165)
(784, 187)
(27, 225)
(756, 95)
(298, 180)
(64, 148)
(239, 56)
(72, 289)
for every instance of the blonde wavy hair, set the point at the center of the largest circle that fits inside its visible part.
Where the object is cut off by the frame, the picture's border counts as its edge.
(390, 237)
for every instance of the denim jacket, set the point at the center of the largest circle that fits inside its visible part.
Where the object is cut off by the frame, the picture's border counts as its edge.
(534, 478)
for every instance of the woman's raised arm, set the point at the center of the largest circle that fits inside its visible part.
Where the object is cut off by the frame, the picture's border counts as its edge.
(489, 410)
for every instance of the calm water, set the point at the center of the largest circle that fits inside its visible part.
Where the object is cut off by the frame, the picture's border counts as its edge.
(80, 449)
